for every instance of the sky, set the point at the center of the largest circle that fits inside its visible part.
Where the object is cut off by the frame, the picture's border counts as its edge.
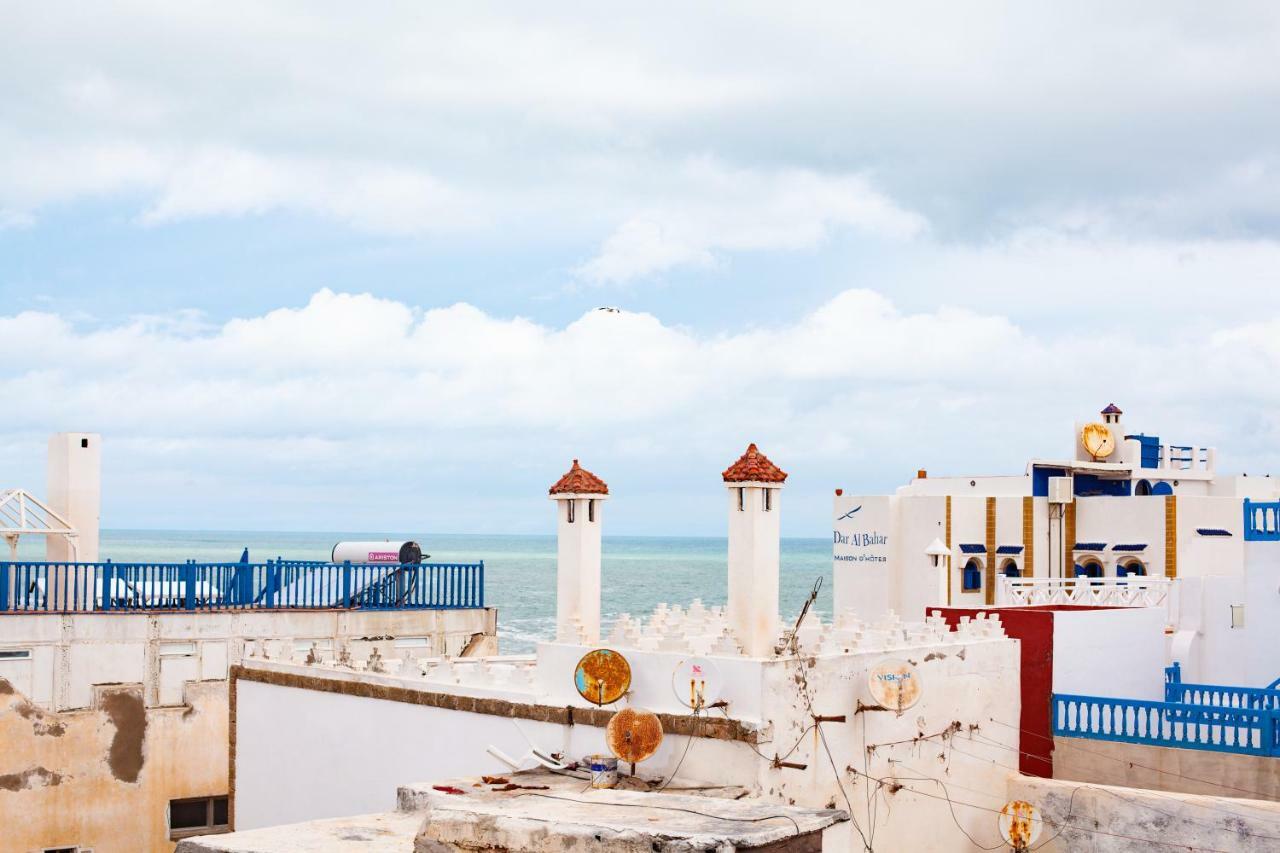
(333, 266)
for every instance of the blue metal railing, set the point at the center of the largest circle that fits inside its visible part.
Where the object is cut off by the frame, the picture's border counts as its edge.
(1176, 724)
(1218, 695)
(45, 587)
(1261, 521)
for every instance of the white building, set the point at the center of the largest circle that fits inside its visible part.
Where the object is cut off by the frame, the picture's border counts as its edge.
(1121, 519)
(744, 704)
(114, 677)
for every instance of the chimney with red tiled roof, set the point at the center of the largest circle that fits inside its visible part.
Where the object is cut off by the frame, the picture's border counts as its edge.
(579, 497)
(578, 481)
(754, 485)
(754, 467)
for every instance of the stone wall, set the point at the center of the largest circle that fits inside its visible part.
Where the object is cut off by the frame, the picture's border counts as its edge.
(1188, 771)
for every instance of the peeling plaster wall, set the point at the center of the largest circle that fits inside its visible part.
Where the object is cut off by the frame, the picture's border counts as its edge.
(102, 777)
(963, 685)
(113, 715)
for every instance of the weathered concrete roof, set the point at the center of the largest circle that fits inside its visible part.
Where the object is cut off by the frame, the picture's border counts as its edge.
(392, 832)
(565, 816)
(537, 811)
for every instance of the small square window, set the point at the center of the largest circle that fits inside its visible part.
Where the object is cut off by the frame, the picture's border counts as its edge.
(84, 442)
(198, 816)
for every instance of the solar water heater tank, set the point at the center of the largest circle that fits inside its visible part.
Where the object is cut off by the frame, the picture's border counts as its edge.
(387, 551)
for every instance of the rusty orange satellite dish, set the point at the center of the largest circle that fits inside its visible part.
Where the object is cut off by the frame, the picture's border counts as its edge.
(1097, 440)
(634, 734)
(602, 676)
(1020, 824)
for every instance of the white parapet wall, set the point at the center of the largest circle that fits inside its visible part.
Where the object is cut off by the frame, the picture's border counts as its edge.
(1105, 818)
(376, 725)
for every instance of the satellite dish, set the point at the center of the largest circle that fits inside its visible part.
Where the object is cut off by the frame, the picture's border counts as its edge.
(1020, 824)
(602, 676)
(894, 684)
(634, 734)
(696, 683)
(1097, 440)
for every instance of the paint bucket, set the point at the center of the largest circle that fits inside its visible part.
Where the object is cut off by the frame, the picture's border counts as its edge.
(604, 771)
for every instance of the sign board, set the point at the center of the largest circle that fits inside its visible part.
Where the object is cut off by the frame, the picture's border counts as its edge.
(861, 531)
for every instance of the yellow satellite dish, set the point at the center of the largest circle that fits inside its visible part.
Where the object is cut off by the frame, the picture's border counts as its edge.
(1097, 440)
(634, 734)
(602, 676)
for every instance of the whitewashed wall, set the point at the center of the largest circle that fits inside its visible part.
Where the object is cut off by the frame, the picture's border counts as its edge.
(1117, 652)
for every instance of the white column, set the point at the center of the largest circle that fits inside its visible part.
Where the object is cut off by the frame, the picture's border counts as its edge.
(578, 566)
(75, 493)
(754, 558)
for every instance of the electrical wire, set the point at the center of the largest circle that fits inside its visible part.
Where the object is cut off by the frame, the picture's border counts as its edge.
(667, 808)
(1066, 819)
(1231, 829)
(955, 802)
(688, 743)
(1057, 742)
(808, 701)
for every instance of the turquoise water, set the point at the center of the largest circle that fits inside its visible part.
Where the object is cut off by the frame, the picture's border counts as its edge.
(520, 571)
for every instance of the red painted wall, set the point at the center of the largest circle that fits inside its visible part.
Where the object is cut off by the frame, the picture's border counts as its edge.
(1034, 627)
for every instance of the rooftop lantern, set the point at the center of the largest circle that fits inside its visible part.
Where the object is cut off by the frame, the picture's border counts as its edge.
(579, 497)
(939, 557)
(754, 484)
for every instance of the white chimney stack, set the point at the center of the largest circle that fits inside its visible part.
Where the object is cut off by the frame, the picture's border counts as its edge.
(579, 497)
(755, 485)
(75, 493)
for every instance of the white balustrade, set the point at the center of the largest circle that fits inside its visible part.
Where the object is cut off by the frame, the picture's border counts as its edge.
(1130, 591)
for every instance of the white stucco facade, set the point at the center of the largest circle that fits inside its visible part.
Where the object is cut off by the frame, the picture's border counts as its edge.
(1146, 511)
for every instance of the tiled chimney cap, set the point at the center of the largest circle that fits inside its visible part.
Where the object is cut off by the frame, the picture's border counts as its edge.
(1112, 409)
(754, 467)
(579, 481)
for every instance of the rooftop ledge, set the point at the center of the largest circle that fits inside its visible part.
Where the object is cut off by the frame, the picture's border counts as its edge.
(475, 700)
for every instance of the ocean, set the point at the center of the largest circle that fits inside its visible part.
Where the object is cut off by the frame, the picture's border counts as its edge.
(520, 571)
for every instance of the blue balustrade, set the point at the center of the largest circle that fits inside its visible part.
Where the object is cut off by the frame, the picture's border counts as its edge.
(1224, 728)
(1261, 521)
(1218, 695)
(49, 587)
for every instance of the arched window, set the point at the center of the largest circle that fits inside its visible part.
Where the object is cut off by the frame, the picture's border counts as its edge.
(1010, 569)
(971, 576)
(1142, 488)
(1132, 566)
(1161, 489)
(1089, 568)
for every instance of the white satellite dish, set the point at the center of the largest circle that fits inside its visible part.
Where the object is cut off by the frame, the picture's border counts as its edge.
(1020, 824)
(697, 683)
(894, 684)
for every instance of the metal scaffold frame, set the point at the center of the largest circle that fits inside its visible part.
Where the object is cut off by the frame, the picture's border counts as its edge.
(23, 514)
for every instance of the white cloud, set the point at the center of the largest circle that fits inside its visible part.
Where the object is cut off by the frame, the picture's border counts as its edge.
(582, 125)
(717, 209)
(858, 392)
